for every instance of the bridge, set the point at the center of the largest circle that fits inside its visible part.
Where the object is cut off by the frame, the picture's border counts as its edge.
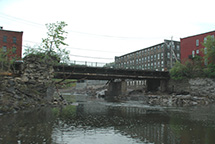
(104, 73)
(154, 79)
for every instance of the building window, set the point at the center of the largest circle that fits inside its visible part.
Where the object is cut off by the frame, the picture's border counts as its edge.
(14, 39)
(168, 55)
(161, 55)
(4, 49)
(197, 51)
(197, 42)
(158, 56)
(205, 50)
(193, 53)
(205, 39)
(4, 38)
(178, 55)
(14, 50)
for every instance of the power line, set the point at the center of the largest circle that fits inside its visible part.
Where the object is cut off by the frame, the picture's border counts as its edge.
(12, 18)
(76, 55)
(85, 49)
(91, 57)
(84, 33)
(93, 50)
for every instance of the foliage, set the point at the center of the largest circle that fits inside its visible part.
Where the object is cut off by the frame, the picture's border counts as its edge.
(210, 70)
(179, 71)
(51, 46)
(209, 44)
(5, 61)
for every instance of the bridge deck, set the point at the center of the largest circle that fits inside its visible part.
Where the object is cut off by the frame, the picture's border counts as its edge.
(102, 73)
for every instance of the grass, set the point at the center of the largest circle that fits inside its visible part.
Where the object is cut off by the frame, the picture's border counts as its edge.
(66, 83)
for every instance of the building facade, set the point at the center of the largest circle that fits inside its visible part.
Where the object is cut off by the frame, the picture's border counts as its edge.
(11, 41)
(159, 57)
(192, 45)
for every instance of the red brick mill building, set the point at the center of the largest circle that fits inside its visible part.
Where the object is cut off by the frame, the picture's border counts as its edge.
(11, 41)
(192, 45)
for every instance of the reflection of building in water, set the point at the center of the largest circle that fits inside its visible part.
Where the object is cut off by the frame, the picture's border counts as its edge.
(142, 124)
(153, 128)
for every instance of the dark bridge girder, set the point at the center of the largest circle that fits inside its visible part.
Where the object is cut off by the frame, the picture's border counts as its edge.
(102, 73)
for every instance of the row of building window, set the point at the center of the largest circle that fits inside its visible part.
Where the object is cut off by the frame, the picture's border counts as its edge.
(153, 57)
(147, 51)
(4, 49)
(205, 38)
(5, 39)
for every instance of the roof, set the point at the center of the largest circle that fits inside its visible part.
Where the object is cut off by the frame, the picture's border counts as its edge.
(198, 34)
(1, 29)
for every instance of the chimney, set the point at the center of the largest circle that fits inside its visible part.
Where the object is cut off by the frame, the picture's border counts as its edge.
(1, 27)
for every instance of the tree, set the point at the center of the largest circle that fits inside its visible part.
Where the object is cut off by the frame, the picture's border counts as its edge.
(209, 51)
(5, 61)
(209, 57)
(51, 46)
(179, 71)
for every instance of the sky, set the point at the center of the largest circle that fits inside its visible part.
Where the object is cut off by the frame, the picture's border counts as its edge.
(99, 30)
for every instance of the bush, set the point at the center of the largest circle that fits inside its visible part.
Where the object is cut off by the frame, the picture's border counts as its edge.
(179, 71)
(210, 71)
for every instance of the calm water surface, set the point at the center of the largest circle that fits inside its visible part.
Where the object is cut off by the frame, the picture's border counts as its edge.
(100, 122)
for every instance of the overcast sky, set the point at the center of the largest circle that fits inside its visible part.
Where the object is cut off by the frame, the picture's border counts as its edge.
(99, 30)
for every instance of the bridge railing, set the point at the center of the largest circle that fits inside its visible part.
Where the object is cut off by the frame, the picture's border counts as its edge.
(87, 63)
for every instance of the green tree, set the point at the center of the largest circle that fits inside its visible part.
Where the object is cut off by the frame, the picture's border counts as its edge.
(209, 57)
(5, 61)
(209, 50)
(51, 46)
(179, 71)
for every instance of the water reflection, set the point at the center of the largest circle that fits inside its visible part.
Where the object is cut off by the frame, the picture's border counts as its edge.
(96, 122)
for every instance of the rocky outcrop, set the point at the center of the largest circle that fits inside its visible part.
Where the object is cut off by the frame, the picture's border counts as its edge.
(33, 88)
(202, 87)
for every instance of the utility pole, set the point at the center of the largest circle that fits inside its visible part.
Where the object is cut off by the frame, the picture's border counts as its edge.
(171, 54)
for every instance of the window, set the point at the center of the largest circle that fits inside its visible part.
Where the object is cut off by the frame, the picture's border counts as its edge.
(178, 47)
(4, 38)
(161, 55)
(205, 39)
(14, 39)
(178, 55)
(193, 53)
(197, 51)
(158, 56)
(197, 42)
(168, 55)
(205, 50)
(14, 50)
(4, 49)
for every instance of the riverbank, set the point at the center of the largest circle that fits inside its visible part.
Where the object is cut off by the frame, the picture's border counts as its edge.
(182, 98)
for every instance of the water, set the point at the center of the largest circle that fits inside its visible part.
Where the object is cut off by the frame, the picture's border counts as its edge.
(100, 122)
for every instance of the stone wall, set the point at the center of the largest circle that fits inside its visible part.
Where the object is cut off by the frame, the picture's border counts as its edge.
(196, 87)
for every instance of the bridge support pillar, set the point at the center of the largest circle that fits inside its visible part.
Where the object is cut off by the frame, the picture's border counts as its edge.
(155, 85)
(163, 85)
(118, 88)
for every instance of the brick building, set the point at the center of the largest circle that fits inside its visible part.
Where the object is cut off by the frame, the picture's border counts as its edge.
(192, 45)
(159, 57)
(11, 41)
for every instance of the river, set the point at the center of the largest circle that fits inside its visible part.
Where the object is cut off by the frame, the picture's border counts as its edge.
(95, 121)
